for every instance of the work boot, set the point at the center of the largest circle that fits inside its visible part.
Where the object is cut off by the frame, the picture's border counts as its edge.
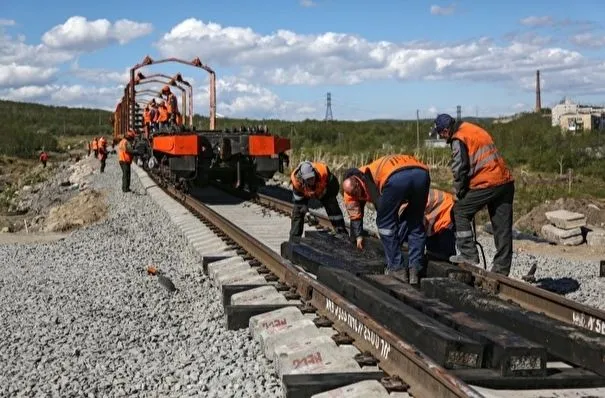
(413, 276)
(400, 274)
(460, 259)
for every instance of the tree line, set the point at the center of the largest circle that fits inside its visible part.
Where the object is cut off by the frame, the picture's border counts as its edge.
(528, 140)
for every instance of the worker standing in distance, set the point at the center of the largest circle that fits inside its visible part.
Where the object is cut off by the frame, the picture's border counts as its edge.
(125, 155)
(438, 224)
(313, 180)
(481, 178)
(102, 153)
(388, 182)
(95, 148)
(43, 158)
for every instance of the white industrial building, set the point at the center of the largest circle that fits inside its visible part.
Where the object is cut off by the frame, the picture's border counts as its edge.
(574, 117)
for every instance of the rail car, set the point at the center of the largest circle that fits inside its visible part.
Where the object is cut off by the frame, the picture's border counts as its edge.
(188, 155)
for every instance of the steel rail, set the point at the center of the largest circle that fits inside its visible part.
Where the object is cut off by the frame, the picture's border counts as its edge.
(527, 296)
(397, 358)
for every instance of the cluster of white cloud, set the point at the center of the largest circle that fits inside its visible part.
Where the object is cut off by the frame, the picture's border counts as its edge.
(31, 71)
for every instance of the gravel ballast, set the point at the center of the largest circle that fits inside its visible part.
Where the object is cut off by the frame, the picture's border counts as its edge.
(81, 317)
(577, 280)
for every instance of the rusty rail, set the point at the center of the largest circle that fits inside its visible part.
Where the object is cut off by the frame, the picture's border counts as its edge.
(527, 296)
(397, 358)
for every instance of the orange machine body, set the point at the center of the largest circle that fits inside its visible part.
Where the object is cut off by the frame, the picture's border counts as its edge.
(267, 145)
(176, 145)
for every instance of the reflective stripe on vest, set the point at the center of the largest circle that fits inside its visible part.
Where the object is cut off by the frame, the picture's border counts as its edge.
(321, 183)
(487, 166)
(124, 156)
(437, 215)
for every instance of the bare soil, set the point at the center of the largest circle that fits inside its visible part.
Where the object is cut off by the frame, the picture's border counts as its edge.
(533, 221)
(84, 209)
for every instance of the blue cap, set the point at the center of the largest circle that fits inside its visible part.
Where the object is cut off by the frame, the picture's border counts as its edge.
(442, 121)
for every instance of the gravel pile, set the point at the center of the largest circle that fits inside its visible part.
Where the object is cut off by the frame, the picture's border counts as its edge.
(577, 280)
(81, 317)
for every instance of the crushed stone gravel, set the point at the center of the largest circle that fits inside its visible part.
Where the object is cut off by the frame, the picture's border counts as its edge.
(81, 317)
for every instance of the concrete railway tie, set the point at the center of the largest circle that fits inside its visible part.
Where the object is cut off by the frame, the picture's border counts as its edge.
(299, 343)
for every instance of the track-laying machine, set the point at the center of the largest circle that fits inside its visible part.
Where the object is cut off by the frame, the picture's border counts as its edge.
(185, 154)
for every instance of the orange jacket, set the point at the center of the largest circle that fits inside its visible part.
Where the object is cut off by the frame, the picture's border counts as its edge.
(146, 116)
(43, 156)
(438, 212)
(124, 154)
(484, 167)
(94, 144)
(380, 170)
(321, 182)
(163, 114)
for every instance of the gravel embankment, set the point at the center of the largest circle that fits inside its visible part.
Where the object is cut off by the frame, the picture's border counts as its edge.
(578, 280)
(80, 317)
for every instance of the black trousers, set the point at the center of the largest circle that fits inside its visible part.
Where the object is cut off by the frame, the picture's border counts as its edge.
(329, 202)
(125, 176)
(103, 159)
(499, 202)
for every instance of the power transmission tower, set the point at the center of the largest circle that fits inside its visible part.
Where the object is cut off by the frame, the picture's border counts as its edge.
(458, 112)
(329, 107)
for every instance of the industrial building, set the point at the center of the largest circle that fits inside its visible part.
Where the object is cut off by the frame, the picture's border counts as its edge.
(574, 117)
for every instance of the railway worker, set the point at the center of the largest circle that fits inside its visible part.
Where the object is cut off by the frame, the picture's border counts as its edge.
(481, 178)
(153, 116)
(314, 180)
(88, 148)
(146, 120)
(387, 182)
(102, 152)
(43, 158)
(95, 148)
(125, 155)
(163, 115)
(438, 224)
(173, 107)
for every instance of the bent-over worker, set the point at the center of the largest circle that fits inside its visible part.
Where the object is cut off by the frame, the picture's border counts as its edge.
(314, 180)
(388, 182)
(481, 178)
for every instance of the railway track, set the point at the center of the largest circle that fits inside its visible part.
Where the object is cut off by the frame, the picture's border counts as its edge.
(404, 366)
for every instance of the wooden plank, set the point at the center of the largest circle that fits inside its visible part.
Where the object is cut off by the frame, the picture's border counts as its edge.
(568, 342)
(569, 378)
(505, 351)
(443, 344)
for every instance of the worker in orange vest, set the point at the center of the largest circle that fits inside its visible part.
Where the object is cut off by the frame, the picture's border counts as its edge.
(126, 154)
(388, 182)
(163, 115)
(438, 224)
(313, 180)
(102, 152)
(95, 148)
(43, 158)
(481, 178)
(147, 120)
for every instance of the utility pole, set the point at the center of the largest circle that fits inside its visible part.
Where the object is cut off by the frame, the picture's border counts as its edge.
(417, 129)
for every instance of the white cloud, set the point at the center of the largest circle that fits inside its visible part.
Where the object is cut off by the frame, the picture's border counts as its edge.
(588, 40)
(7, 22)
(14, 75)
(534, 21)
(99, 75)
(307, 3)
(438, 10)
(285, 57)
(67, 95)
(79, 34)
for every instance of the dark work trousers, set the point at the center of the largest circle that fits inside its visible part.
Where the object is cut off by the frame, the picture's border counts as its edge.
(125, 176)
(329, 202)
(44, 164)
(441, 245)
(103, 159)
(412, 186)
(499, 202)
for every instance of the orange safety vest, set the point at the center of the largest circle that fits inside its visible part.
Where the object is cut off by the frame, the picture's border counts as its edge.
(179, 119)
(146, 116)
(321, 183)
(94, 145)
(163, 114)
(124, 156)
(487, 166)
(438, 212)
(380, 169)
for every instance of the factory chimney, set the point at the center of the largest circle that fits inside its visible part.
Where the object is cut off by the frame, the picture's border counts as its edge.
(538, 100)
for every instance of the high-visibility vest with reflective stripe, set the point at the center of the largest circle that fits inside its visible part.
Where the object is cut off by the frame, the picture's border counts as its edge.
(163, 114)
(487, 166)
(123, 155)
(438, 212)
(381, 169)
(321, 181)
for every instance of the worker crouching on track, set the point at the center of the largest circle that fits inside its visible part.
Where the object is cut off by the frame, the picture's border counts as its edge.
(387, 183)
(125, 155)
(438, 224)
(102, 147)
(314, 180)
(481, 178)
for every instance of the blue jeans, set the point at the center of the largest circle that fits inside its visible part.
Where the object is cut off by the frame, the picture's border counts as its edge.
(441, 245)
(410, 185)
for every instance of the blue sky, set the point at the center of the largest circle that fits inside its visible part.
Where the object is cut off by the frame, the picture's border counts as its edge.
(279, 58)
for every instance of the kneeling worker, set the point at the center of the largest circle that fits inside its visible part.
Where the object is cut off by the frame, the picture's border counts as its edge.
(314, 180)
(388, 182)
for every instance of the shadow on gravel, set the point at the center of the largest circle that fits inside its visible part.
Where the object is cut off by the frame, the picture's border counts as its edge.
(560, 285)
